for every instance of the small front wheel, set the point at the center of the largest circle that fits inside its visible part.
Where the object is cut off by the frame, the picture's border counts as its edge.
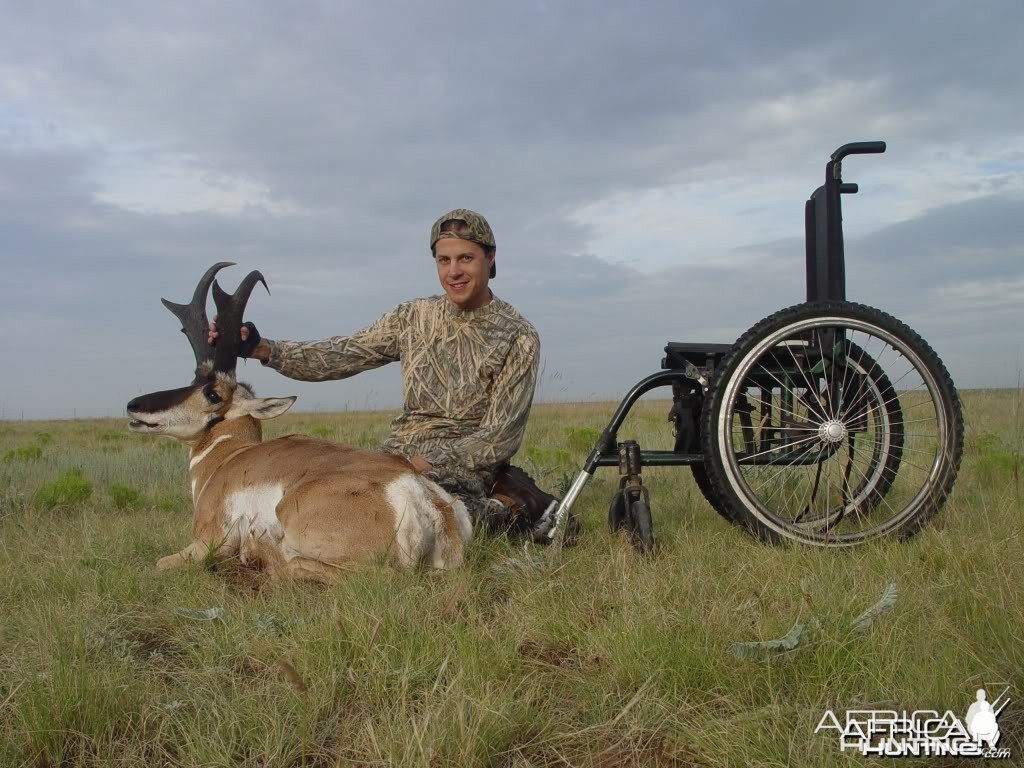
(641, 525)
(832, 423)
(617, 509)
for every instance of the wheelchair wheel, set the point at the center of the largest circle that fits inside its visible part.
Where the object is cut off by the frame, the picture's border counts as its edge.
(831, 424)
(700, 477)
(641, 526)
(617, 508)
(875, 398)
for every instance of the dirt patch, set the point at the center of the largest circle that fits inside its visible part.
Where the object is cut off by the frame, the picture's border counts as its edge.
(244, 580)
(599, 748)
(642, 750)
(561, 655)
(135, 637)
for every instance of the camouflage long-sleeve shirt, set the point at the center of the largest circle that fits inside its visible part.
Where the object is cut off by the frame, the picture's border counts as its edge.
(468, 377)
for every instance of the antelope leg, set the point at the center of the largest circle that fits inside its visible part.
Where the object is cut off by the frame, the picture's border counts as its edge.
(194, 551)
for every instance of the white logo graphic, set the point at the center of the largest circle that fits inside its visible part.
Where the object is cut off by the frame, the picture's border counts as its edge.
(923, 732)
(981, 719)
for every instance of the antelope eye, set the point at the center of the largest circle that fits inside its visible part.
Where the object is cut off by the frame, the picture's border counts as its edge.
(211, 394)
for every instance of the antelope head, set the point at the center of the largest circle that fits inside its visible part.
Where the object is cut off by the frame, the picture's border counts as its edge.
(188, 413)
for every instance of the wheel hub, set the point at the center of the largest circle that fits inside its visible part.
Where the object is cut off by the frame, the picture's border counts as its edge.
(832, 431)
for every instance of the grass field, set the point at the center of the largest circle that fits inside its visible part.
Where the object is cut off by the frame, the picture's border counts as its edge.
(594, 657)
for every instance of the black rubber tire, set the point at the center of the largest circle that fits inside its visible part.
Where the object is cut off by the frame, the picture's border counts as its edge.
(641, 526)
(948, 458)
(700, 477)
(617, 512)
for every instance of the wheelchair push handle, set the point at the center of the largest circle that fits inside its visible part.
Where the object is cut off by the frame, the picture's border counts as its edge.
(858, 148)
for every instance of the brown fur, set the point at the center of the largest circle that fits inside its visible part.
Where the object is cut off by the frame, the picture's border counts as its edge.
(298, 506)
(333, 510)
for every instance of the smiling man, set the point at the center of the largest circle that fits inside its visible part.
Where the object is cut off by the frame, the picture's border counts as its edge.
(469, 368)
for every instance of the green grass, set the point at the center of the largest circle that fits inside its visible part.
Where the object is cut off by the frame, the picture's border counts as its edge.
(70, 488)
(594, 657)
(124, 496)
(26, 453)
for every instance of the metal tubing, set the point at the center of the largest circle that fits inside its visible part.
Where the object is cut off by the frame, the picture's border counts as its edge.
(653, 459)
(606, 443)
(673, 459)
(562, 513)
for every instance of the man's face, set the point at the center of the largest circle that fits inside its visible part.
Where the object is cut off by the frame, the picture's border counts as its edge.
(463, 269)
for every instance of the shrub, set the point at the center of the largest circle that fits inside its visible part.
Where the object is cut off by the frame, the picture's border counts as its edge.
(70, 488)
(29, 453)
(581, 439)
(170, 503)
(43, 437)
(997, 462)
(996, 467)
(548, 458)
(124, 496)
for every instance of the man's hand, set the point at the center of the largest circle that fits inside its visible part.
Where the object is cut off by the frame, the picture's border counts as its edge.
(420, 464)
(261, 351)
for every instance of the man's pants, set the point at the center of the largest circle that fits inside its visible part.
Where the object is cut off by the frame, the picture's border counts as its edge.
(502, 499)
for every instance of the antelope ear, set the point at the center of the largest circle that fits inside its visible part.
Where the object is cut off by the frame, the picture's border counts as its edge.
(259, 407)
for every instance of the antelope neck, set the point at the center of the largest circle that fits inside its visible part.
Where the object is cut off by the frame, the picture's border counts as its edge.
(241, 432)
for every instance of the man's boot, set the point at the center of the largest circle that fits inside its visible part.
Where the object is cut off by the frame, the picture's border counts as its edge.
(531, 510)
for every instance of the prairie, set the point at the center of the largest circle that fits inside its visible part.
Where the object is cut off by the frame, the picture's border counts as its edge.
(594, 656)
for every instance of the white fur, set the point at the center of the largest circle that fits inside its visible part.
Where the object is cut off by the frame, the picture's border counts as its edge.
(180, 422)
(252, 513)
(462, 519)
(419, 529)
(206, 451)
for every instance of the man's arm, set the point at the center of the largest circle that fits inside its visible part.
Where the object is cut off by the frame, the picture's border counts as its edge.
(337, 357)
(501, 430)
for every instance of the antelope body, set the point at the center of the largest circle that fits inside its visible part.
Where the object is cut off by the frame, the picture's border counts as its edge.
(295, 505)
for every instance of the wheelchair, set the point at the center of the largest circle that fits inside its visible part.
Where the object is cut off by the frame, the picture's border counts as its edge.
(829, 423)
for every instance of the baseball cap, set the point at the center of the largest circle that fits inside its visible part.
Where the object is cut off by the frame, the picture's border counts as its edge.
(477, 230)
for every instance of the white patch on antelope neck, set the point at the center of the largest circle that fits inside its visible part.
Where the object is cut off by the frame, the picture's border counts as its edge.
(206, 451)
(252, 512)
(417, 520)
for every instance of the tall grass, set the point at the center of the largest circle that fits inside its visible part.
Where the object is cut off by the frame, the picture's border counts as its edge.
(597, 657)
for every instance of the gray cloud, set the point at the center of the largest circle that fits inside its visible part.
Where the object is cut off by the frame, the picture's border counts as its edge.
(345, 130)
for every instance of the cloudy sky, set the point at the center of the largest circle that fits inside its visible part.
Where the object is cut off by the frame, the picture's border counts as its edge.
(643, 165)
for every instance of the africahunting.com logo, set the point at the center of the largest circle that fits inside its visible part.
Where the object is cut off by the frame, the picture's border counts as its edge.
(922, 733)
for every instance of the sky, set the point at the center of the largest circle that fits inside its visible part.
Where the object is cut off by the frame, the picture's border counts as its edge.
(643, 165)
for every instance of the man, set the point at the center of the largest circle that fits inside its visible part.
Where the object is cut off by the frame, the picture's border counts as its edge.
(469, 368)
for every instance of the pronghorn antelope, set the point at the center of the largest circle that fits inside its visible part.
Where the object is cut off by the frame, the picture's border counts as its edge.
(294, 505)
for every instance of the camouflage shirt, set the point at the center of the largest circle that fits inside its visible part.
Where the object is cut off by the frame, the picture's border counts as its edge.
(467, 378)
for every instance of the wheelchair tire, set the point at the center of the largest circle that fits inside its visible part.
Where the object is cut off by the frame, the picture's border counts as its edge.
(641, 526)
(617, 512)
(700, 477)
(823, 376)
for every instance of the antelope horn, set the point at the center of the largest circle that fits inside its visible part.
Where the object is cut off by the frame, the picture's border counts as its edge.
(194, 323)
(230, 309)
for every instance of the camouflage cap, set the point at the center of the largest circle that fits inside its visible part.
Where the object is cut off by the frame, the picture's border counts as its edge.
(477, 229)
